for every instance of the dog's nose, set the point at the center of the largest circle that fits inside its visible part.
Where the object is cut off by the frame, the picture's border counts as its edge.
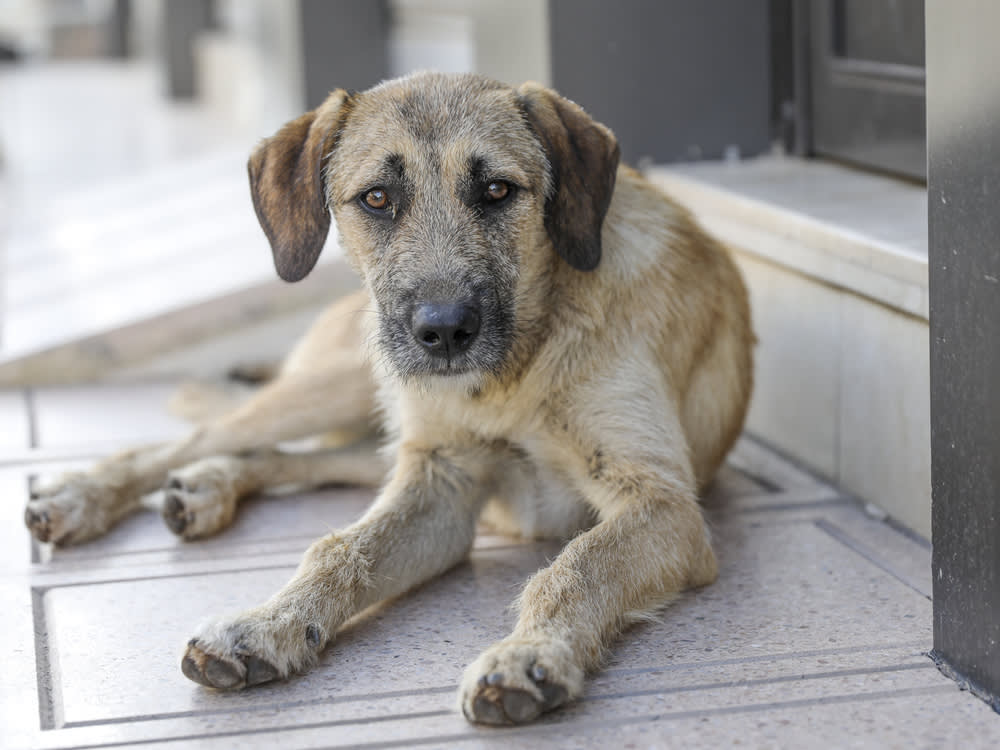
(445, 329)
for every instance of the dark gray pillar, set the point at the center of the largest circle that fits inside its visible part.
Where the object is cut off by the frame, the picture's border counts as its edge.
(963, 110)
(183, 19)
(118, 29)
(675, 79)
(344, 45)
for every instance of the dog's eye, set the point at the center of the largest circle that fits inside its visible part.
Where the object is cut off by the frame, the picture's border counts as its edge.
(377, 199)
(496, 191)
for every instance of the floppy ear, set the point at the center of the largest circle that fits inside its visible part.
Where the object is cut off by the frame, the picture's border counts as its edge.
(583, 155)
(286, 183)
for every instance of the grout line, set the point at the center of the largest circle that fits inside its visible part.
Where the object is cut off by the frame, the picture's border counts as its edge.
(831, 502)
(49, 710)
(558, 725)
(768, 485)
(222, 551)
(34, 546)
(762, 681)
(357, 697)
(36, 457)
(219, 551)
(563, 726)
(858, 548)
(44, 587)
(910, 534)
(791, 465)
(766, 657)
(260, 707)
(32, 409)
(267, 730)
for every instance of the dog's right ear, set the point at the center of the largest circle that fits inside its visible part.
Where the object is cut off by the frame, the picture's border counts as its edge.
(288, 189)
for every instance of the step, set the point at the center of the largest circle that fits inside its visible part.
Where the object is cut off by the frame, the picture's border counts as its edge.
(104, 278)
(836, 262)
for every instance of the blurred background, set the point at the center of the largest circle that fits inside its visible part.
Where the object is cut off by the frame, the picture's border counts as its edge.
(125, 126)
(793, 129)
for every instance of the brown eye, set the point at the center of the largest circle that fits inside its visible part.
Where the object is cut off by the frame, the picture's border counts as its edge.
(497, 191)
(377, 199)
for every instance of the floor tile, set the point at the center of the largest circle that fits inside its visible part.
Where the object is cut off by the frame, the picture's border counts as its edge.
(818, 626)
(113, 637)
(760, 462)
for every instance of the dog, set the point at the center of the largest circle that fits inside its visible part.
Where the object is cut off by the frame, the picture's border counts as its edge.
(550, 344)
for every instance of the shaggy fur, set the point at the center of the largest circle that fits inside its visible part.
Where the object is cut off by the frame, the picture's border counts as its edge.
(603, 372)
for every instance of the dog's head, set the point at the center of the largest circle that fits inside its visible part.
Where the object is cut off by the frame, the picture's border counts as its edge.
(455, 197)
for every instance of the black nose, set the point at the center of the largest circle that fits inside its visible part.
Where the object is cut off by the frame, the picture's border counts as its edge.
(445, 328)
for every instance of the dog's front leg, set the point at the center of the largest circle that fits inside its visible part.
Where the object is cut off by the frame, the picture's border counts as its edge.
(650, 544)
(422, 523)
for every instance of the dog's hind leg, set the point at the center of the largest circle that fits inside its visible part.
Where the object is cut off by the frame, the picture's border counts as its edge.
(83, 505)
(201, 498)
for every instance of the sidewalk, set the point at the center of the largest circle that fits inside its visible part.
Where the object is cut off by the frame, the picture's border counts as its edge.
(815, 634)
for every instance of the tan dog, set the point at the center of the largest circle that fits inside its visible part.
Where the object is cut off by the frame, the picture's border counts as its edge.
(553, 342)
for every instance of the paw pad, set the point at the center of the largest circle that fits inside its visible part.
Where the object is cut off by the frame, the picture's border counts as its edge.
(175, 515)
(497, 703)
(225, 674)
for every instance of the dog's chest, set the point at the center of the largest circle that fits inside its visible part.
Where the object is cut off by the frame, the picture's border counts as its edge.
(534, 498)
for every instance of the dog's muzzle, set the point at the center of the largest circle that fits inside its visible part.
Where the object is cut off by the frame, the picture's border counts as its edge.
(445, 329)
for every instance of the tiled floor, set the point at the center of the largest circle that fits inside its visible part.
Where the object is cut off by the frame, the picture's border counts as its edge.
(814, 635)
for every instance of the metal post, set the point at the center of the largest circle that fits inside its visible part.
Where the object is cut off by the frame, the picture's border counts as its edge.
(963, 109)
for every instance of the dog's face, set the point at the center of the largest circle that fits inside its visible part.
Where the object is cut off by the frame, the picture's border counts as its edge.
(455, 198)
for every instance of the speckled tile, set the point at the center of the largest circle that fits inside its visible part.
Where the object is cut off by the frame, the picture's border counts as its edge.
(755, 459)
(918, 718)
(820, 611)
(780, 597)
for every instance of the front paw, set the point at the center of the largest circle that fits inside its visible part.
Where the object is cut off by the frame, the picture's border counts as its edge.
(517, 680)
(201, 499)
(69, 510)
(251, 650)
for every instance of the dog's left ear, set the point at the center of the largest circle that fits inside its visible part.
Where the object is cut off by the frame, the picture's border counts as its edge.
(287, 186)
(583, 155)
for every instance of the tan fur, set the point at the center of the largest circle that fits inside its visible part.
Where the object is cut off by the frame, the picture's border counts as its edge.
(591, 397)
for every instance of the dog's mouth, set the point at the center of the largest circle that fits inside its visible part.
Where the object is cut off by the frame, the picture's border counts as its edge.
(451, 369)
(447, 340)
